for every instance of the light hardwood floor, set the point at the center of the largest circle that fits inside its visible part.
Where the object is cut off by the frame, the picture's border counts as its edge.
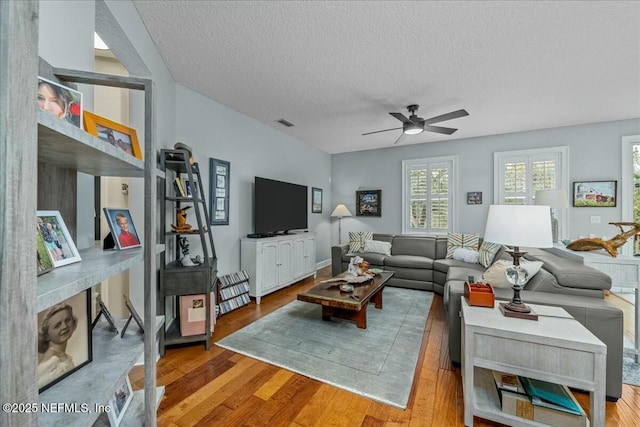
(223, 388)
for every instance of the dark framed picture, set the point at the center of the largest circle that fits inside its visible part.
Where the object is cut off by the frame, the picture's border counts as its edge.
(316, 200)
(121, 225)
(133, 315)
(369, 203)
(120, 136)
(595, 194)
(61, 101)
(64, 339)
(57, 239)
(44, 261)
(474, 198)
(119, 402)
(219, 173)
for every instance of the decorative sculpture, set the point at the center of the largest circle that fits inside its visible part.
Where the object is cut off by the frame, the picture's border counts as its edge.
(611, 245)
(181, 219)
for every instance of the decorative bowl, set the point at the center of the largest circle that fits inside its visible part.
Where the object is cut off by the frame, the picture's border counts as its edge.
(346, 287)
(375, 270)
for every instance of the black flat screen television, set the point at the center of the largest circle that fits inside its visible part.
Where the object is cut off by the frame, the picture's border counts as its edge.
(278, 206)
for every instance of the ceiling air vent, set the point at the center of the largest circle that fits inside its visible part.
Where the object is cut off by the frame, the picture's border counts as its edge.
(284, 122)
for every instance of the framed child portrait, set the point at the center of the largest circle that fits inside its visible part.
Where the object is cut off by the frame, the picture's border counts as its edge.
(119, 402)
(120, 136)
(64, 339)
(61, 101)
(121, 225)
(57, 239)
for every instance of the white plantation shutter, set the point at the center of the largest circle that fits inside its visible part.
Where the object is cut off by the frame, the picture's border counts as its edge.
(427, 190)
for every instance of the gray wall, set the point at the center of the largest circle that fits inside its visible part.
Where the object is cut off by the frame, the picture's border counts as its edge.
(594, 154)
(253, 149)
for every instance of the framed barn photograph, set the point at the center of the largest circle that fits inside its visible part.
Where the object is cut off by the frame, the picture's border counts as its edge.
(120, 136)
(369, 203)
(61, 101)
(122, 229)
(56, 238)
(595, 194)
(64, 339)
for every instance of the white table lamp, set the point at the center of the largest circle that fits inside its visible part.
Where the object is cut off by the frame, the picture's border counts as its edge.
(518, 225)
(555, 199)
(340, 212)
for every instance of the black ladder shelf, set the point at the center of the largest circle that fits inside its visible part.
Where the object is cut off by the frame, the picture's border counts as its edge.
(175, 279)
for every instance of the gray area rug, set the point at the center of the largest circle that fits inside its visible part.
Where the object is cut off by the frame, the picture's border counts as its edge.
(630, 371)
(378, 362)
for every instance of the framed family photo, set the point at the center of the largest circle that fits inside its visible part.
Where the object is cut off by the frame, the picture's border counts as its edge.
(219, 173)
(369, 203)
(316, 200)
(56, 238)
(44, 261)
(120, 136)
(64, 339)
(119, 402)
(61, 101)
(595, 194)
(122, 229)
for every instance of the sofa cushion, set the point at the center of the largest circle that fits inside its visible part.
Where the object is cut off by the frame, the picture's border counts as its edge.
(443, 265)
(414, 245)
(488, 251)
(372, 258)
(572, 274)
(357, 239)
(458, 240)
(377, 246)
(408, 261)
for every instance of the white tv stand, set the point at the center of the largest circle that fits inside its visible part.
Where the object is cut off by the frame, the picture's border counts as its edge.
(276, 262)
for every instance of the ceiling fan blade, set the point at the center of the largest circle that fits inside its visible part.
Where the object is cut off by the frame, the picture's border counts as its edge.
(445, 117)
(378, 131)
(440, 129)
(400, 138)
(401, 117)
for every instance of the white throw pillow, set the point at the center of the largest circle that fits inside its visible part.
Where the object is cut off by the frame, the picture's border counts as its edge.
(377, 246)
(532, 267)
(467, 255)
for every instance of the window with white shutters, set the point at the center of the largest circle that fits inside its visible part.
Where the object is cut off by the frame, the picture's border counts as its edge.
(428, 193)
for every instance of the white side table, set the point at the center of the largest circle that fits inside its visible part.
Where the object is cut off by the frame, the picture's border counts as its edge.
(555, 348)
(624, 271)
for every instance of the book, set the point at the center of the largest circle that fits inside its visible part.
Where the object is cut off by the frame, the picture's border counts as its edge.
(520, 406)
(181, 189)
(508, 382)
(550, 395)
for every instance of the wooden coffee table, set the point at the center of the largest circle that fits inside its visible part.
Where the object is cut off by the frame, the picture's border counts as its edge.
(348, 305)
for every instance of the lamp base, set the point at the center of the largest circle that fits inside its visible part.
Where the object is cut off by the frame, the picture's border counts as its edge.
(506, 312)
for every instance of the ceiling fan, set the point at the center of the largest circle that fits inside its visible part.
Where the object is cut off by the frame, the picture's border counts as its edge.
(415, 125)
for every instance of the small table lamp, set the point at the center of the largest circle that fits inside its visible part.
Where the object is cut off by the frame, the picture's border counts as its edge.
(518, 225)
(340, 212)
(555, 199)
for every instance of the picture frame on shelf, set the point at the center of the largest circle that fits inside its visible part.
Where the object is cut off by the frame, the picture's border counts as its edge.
(44, 263)
(133, 314)
(122, 228)
(474, 198)
(64, 339)
(316, 200)
(219, 186)
(369, 203)
(63, 102)
(595, 194)
(57, 239)
(114, 133)
(119, 402)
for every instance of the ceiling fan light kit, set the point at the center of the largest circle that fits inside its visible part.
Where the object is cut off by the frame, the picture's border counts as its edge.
(413, 125)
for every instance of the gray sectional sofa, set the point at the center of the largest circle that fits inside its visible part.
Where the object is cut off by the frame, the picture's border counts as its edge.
(421, 263)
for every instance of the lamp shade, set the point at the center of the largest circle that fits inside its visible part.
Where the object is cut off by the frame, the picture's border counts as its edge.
(519, 225)
(341, 211)
(552, 198)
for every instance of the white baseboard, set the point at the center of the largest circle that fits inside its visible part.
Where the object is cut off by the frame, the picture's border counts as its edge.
(323, 264)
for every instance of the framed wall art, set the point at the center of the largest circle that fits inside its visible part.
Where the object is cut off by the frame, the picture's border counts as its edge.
(120, 136)
(369, 203)
(119, 402)
(595, 194)
(474, 198)
(219, 174)
(316, 200)
(122, 229)
(61, 101)
(57, 239)
(64, 339)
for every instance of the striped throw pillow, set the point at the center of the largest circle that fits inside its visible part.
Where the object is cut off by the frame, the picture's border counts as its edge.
(458, 240)
(487, 251)
(357, 239)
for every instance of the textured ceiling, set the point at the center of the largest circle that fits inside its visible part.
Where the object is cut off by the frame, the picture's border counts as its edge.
(335, 69)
